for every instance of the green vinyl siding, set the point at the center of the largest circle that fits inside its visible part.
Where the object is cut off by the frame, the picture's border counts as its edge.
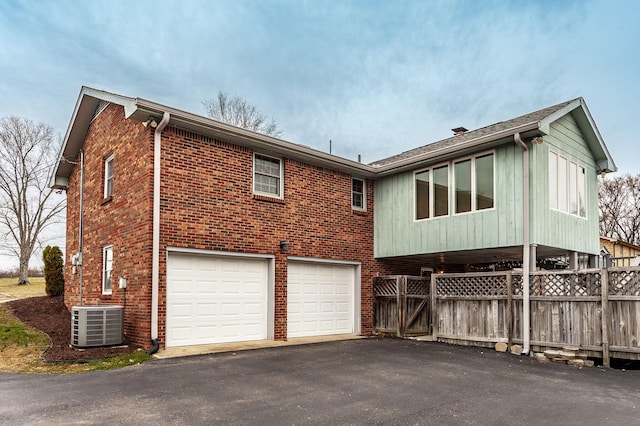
(398, 233)
(552, 227)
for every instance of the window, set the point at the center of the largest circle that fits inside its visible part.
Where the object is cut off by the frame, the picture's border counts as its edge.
(553, 180)
(422, 195)
(567, 186)
(472, 188)
(107, 267)
(441, 191)
(108, 176)
(462, 171)
(484, 182)
(267, 176)
(358, 199)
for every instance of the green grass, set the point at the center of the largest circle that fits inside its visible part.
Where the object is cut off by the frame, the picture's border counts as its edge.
(35, 288)
(119, 361)
(14, 333)
(21, 349)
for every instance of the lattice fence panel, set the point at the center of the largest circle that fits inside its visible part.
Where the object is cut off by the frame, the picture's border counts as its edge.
(473, 285)
(385, 286)
(517, 285)
(418, 287)
(566, 284)
(624, 283)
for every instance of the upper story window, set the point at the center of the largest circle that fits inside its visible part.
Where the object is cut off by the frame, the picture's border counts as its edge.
(108, 176)
(432, 192)
(358, 194)
(468, 183)
(107, 267)
(567, 185)
(267, 176)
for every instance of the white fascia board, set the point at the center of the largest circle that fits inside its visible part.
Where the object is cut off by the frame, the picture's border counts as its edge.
(258, 141)
(411, 162)
(580, 112)
(88, 101)
(545, 123)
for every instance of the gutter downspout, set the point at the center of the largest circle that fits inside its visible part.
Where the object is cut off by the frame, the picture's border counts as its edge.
(81, 226)
(155, 259)
(525, 245)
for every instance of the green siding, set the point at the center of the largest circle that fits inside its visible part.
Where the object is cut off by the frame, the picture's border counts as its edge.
(397, 233)
(551, 227)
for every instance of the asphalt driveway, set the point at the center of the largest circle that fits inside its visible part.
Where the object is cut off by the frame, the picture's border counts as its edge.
(370, 381)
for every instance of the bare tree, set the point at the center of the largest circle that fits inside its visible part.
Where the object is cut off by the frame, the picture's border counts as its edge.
(619, 206)
(27, 207)
(236, 111)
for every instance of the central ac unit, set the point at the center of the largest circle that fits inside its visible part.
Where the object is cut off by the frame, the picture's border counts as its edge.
(96, 326)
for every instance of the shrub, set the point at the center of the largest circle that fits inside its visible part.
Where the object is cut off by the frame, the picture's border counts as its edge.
(53, 271)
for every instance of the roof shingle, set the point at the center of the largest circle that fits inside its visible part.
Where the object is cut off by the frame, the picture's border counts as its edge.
(496, 128)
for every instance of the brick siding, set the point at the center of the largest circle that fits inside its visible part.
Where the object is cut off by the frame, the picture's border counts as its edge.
(207, 203)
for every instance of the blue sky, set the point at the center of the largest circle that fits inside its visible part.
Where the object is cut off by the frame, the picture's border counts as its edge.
(375, 77)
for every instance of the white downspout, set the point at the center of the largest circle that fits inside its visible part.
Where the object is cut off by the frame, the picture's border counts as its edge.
(81, 226)
(155, 259)
(525, 246)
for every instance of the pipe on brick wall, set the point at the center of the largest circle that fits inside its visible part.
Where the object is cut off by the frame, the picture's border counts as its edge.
(155, 259)
(81, 226)
(525, 245)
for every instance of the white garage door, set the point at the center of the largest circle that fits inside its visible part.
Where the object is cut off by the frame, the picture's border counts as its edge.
(215, 299)
(320, 299)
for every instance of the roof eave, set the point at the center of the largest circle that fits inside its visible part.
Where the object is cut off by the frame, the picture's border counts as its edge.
(88, 101)
(254, 140)
(412, 162)
(580, 112)
(141, 110)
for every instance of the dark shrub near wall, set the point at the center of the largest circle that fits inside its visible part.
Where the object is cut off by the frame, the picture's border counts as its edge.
(53, 271)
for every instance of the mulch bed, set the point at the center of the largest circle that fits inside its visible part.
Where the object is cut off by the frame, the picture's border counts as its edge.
(50, 315)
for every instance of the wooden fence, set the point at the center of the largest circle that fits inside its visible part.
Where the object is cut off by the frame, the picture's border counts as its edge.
(402, 305)
(597, 310)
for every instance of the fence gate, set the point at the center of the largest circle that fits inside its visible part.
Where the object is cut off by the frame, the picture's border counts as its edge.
(402, 305)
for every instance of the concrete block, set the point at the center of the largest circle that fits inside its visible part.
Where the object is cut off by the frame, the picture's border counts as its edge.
(516, 349)
(501, 347)
(576, 362)
(567, 355)
(588, 363)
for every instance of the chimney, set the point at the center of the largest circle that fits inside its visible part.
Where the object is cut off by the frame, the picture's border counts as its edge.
(459, 131)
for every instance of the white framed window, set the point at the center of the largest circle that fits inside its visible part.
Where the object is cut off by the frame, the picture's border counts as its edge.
(567, 185)
(267, 176)
(108, 176)
(467, 183)
(358, 194)
(107, 268)
(432, 192)
(484, 183)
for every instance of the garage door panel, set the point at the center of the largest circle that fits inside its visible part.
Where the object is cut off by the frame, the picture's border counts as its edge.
(326, 303)
(329, 307)
(215, 299)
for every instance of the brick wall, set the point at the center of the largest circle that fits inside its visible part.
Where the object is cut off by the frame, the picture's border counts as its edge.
(206, 203)
(124, 220)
